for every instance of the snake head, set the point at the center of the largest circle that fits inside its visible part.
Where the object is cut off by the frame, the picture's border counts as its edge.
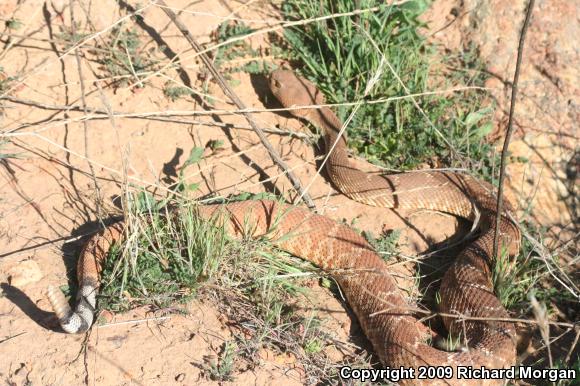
(292, 90)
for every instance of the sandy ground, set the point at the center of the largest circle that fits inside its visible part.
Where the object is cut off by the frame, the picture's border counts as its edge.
(48, 194)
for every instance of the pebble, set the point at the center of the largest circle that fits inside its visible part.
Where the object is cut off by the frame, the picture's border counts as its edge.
(180, 377)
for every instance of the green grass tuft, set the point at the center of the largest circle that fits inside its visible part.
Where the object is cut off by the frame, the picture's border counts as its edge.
(176, 92)
(222, 370)
(515, 281)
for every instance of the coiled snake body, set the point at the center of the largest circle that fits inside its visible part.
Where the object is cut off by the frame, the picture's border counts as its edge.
(384, 314)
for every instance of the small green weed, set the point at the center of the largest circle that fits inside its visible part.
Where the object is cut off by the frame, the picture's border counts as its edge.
(162, 263)
(176, 92)
(239, 56)
(5, 80)
(387, 244)
(313, 346)
(222, 370)
(69, 40)
(13, 24)
(195, 155)
(121, 56)
(515, 280)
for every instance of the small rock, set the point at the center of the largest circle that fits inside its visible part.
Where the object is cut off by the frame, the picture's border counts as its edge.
(24, 273)
(180, 377)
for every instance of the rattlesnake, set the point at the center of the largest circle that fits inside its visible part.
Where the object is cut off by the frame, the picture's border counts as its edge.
(382, 309)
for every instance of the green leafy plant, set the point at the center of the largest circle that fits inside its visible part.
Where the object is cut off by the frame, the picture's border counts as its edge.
(5, 80)
(13, 24)
(387, 244)
(238, 56)
(176, 92)
(515, 280)
(222, 370)
(122, 58)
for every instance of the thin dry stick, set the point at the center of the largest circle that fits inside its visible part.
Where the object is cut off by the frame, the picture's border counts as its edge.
(135, 321)
(510, 127)
(13, 336)
(232, 95)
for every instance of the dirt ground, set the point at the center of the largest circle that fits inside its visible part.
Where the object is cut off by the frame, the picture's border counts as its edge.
(48, 194)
